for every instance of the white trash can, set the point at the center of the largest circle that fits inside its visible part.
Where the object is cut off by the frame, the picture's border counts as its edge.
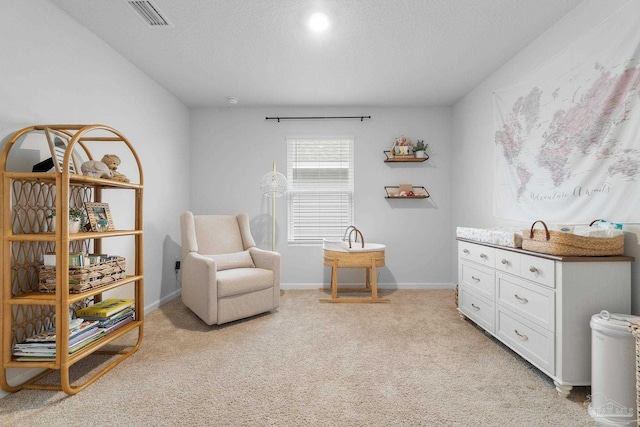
(613, 370)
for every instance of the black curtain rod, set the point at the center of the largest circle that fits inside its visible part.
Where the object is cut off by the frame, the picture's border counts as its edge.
(318, 118)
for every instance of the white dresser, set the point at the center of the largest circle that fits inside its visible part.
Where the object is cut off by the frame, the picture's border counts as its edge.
(540, 305)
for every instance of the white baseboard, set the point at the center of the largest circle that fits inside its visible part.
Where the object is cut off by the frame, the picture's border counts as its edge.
(162, 301)
(380, 285)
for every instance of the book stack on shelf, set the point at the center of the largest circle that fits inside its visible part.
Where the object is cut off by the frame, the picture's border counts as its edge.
(43, 345)
(92, 322)
(110, 314)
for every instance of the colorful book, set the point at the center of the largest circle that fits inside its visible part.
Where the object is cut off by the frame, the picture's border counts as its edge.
(104, 309)
(88, 340)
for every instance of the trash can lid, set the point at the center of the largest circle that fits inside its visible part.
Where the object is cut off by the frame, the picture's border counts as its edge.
(605, 321)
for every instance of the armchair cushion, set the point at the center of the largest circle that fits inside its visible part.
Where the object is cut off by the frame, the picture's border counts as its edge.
(233, 260)
(243, 280)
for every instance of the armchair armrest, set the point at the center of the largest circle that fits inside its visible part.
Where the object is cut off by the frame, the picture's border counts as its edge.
(200, 286)
(268, 260)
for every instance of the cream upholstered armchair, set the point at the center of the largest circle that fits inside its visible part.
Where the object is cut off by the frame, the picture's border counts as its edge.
(225, 277)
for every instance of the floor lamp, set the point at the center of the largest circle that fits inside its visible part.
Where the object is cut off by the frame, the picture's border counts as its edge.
(273, 185)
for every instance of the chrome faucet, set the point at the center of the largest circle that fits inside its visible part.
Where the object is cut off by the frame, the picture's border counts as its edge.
(357, 232)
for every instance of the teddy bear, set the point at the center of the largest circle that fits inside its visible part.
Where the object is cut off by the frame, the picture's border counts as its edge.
(112, 161)
(96, 168)
(106, 168)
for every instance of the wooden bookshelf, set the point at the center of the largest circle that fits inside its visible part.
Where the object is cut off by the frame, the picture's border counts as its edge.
(28, 234)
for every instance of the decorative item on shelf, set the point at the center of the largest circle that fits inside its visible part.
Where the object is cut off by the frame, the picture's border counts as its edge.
(406, 191)
(96, 168)
(273, 184)
(420, 149)
(112, 161)
(402, 147)
(58, 142)
(106, 168)
(76, 219)
(84, 277)
(99, 215)
(102, 225)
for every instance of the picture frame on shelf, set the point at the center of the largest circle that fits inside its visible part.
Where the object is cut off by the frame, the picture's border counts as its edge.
(99, 216)
(58, 143)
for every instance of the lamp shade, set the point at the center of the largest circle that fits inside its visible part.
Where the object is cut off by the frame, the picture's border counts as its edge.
(273, 184)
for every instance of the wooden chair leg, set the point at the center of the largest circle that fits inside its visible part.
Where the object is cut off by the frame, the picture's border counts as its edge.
(374, 280)
(334, 279)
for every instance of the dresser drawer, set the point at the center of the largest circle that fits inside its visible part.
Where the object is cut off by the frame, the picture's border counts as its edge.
(480, 279)
(532, 301)
(532, 342)
(478, 253)
(507, 261)
(539, 270)
(477, 308)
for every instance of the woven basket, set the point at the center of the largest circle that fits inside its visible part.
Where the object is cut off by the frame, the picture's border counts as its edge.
(84, 278)
(635, 330)
(568, 244)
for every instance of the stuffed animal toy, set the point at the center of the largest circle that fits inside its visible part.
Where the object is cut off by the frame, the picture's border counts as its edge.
(96, 168)
(112, 161)
(104, 169)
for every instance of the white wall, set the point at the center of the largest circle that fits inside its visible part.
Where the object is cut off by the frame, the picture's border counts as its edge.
(55, 71)
(473, 134)
(232, 148)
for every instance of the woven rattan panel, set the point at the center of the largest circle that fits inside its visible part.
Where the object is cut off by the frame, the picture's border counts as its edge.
(32, 202)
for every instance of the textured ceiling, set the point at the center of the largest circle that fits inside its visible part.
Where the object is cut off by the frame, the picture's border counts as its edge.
(376, 52)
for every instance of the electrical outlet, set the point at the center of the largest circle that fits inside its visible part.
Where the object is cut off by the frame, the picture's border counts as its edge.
(177, 265)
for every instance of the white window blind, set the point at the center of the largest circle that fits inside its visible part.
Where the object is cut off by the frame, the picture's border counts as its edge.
(320, 197)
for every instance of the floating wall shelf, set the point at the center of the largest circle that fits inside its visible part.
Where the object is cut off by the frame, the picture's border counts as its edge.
(394, 159)
(394, 191)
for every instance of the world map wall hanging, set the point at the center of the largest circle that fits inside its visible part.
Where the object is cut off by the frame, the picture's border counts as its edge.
(567, 134)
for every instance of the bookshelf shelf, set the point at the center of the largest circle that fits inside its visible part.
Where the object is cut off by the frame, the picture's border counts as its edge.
(28, 233)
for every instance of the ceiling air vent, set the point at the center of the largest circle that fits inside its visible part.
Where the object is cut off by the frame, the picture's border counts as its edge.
(149, 13)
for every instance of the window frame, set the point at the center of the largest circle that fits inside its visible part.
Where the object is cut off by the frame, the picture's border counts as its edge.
(345, 195)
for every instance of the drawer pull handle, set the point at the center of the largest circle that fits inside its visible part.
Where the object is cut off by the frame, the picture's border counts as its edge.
(475, 278)
(504, 261)
(533, 269)
(521, 336)
(465, 251)
(520, 299)
(483, 256)
(475, 307)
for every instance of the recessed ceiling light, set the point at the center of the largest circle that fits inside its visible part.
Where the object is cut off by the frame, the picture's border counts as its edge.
(232, 100)
(318, 22)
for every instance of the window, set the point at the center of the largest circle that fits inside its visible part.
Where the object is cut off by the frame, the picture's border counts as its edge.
(320, 197)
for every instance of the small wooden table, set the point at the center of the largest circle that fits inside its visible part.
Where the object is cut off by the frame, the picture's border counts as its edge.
(368, 260)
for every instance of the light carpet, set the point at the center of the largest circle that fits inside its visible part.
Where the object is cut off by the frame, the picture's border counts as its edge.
(409, 362)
